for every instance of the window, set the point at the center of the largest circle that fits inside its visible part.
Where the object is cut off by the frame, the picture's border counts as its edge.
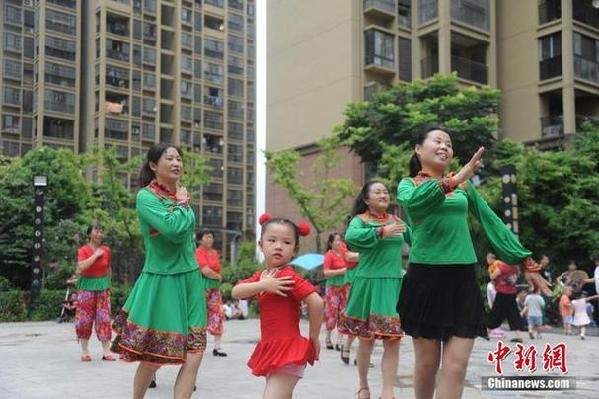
(186, 113)
(10, 123)
(27, 101)
(235, 175)
(235, 131)
(27, 131)
(427, 11)
(137, 54)
(149, 32)
(197, 69)
(137, 29)
(235, 22)
(214, 97)
(116, 129)
(550, 56)
(150, 6)
(65, 3)
(404, 12)
(213, 192)
(59, 74)
(14, 16)
(379, 49)
(28, 48)
(213, 73)
(59, 128)
(212, 215)
(214, 48)
(197, 93)
(117, 50)
(148, 131)
(213, 120)
(471, 12)
(136, 106)
(186, 89)
(586, 57)
(235, 44)
(197, 22)
(12, 69)
(405, 59)
(149, 106)
(149, 56)
(12, 96)
(235, 65)
(186, 16)
(235, 87)
(61, 22)
(236, 4)
(186, 64)
(234, 220)
(187, 40)
(13, 42)
(60, 48)
(197, 45)
(117, 77)
(217, 167)
(234, 198)
(216, 3)
(214, 23)
(136, 80)
(235, 109)
(29, 21)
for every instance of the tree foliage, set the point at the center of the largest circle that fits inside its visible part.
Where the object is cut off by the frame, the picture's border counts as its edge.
(322, 201)
(393, 116)
(71, 202)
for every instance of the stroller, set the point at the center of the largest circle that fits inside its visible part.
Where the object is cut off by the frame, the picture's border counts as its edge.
(69, 305)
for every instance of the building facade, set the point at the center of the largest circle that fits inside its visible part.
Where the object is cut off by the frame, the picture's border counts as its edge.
(543, 55)
(132, 73)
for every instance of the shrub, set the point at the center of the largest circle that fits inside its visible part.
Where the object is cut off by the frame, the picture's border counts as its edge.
(5, 284)
(13, 305)
(48, 305)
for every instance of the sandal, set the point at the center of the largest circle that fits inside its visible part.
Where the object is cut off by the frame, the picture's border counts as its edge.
(86, 358)
(108, 358)
(329, 345)
(367, 389)
(344, 359)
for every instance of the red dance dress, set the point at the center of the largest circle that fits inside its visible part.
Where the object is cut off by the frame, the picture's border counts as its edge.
(281, 342)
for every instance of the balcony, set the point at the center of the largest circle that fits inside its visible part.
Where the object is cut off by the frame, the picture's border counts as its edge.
(552, 126)
(429, 66)
(117, 25)
(404, 13)
(584, 12)
(550, 10)
(117, 104)
(379, 52)
(116, 129)
(550, 67)
(214, 101)
(469, 69)
(586, 69)
(58, 128)
(117, 77)
(65, 3)
(474, 13)
(380, 9)
(427, 11)
(117, 50)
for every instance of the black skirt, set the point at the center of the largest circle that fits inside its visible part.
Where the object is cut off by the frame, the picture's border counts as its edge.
(441, 301)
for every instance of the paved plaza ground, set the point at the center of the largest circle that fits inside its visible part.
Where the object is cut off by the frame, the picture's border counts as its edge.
(41, 361)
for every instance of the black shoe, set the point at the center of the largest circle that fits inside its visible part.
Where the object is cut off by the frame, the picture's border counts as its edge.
(330, 346)
(152, 384)
(531, 336)
(337, 348)
(582, 337)
(194, 388)
(516, 340)
(344, 359)
(217, 352)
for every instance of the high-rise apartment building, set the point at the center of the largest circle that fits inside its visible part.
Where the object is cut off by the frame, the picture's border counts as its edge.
(131, 73)
(543, 55)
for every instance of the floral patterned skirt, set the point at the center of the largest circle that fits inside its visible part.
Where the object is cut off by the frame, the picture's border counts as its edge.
(162, 320)
(371, 309)
(214, 302)
(335, 301)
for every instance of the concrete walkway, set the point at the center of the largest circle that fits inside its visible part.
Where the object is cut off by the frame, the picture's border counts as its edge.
(41, 360)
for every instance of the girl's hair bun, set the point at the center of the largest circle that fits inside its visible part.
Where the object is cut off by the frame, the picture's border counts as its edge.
(265, 217)
(303, 228)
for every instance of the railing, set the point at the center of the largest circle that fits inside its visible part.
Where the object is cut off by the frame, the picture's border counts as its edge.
(117, 55)
(429, 66)
(470, 14)
(550, 67)
(377, 59)
(214, 101)
(586, 69)
(385, 5)
(550, 10)
(469, 69)
(552, 126)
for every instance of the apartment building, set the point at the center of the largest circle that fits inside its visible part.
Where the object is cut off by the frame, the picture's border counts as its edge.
(131, 73)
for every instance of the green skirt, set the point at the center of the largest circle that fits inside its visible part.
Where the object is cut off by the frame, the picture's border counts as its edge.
(163, 318)
(371, 309)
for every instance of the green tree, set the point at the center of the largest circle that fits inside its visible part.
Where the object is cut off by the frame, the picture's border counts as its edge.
(323, 201)
(393, 116)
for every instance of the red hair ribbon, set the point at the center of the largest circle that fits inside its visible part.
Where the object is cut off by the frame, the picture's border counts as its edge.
(265, 217)
(303, 228)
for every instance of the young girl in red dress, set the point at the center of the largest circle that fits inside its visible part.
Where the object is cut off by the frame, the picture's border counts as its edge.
(282, 353)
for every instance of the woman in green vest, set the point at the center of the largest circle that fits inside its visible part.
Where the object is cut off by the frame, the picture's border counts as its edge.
(441, 305)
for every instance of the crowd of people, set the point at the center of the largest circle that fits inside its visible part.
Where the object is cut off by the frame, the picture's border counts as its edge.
(370, 296)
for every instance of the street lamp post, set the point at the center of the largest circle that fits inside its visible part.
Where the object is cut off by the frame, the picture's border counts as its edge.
(39, 189)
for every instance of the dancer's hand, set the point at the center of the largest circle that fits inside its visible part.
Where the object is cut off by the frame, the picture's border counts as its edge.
(470, 168)
(394, 230)
(276, 285)
(316, 345)
(182, 195)
(98, 253)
